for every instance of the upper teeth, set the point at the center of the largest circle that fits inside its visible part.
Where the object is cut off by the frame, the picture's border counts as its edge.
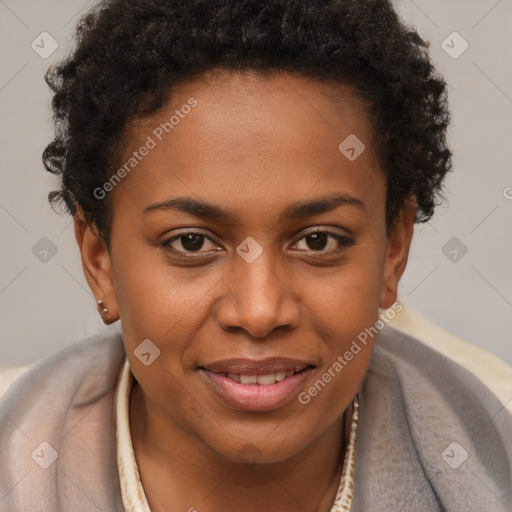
(263, 380)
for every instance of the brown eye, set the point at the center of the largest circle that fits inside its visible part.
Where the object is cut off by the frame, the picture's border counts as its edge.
(192, 242)
(187, 243)
(318, 241)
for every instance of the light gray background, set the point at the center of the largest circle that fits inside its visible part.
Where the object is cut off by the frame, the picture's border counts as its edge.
(46, 305)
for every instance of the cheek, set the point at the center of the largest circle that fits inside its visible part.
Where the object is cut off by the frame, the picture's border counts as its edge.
(334, 385)
(154, 297)
(346, 309)
(346, 299)
(347, 329)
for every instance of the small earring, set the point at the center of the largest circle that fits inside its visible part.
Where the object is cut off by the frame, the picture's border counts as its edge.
(104, 310)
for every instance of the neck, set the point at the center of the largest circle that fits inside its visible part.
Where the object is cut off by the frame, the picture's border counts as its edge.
(180, 473)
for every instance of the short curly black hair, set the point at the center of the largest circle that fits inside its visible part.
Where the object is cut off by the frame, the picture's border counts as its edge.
(129, 55)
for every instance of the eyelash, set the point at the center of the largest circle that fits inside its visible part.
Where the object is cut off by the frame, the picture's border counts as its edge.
(344, 241)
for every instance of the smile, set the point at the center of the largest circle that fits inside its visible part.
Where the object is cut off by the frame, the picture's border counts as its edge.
(264, 392)
(262, 380)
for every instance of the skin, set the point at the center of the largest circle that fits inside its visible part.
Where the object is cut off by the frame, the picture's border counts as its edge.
(253, 145)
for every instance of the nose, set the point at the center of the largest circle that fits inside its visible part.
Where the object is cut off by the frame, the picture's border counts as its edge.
(259, 298)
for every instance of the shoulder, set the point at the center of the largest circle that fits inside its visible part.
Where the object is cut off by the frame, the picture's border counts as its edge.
(57, 411)
(78, 362)
(424, 415)
(429, 383)
(492, 371)
(9, 375)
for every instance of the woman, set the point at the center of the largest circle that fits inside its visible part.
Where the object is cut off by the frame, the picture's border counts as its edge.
(244, 177)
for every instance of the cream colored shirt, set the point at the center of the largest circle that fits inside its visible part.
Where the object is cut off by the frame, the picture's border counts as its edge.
(134, 499)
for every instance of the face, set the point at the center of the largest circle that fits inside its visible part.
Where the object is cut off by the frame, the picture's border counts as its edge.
(246, 246)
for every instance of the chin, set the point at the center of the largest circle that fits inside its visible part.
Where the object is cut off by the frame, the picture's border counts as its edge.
(248, 452)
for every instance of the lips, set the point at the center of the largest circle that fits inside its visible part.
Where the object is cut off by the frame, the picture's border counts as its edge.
(250, 385)
(253, 367)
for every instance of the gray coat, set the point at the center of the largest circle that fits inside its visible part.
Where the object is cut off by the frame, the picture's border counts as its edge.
(431, 437)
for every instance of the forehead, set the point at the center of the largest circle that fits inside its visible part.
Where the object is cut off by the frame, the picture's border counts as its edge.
(242, 104)
(264, 137)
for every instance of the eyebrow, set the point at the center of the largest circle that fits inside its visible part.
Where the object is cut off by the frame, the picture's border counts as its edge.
(294, 211)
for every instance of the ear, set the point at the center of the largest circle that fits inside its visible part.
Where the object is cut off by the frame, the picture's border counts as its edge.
(97, 267)
(399, 243)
